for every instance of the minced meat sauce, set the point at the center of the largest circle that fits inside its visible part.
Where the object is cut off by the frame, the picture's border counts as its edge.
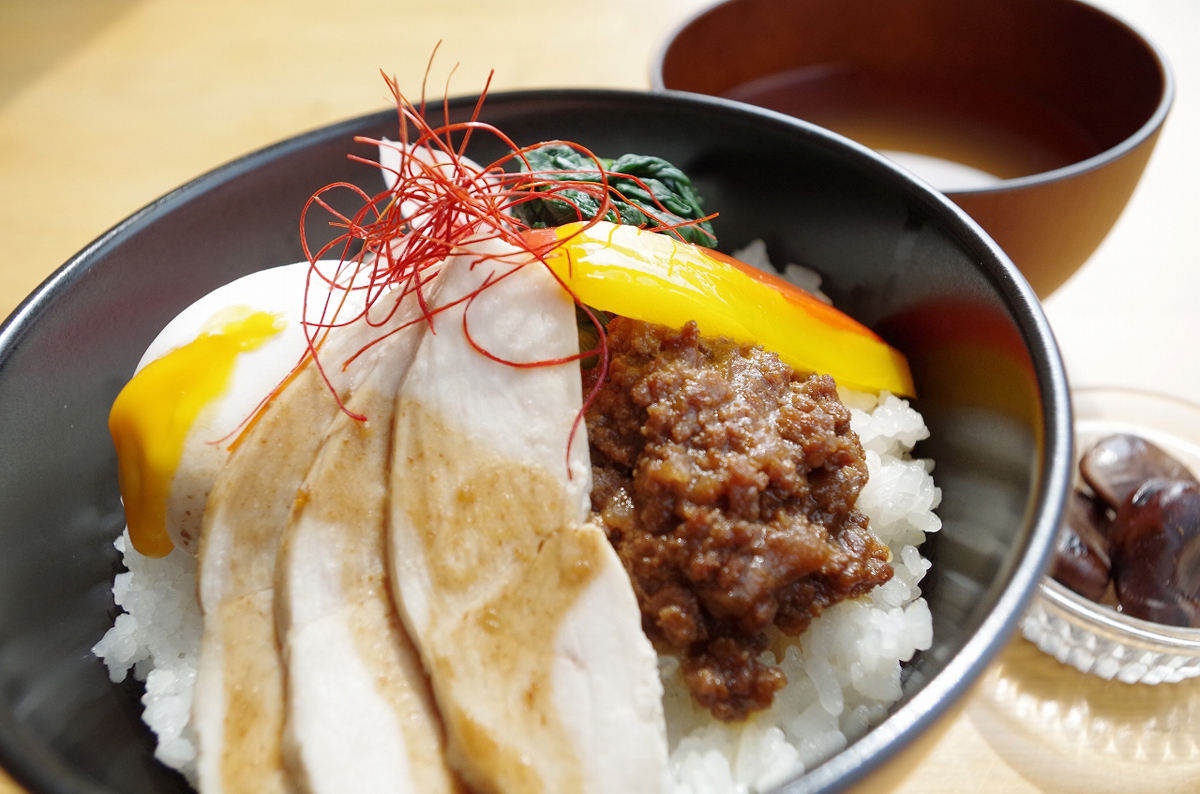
(727, 484)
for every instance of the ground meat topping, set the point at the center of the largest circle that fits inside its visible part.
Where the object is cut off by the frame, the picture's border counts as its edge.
(727, 484)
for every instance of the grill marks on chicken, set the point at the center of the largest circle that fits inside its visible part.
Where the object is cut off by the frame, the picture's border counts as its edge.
(727, 484)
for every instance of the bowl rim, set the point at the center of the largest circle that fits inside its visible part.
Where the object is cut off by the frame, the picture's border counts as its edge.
(1050, 484)
(1159, 637)
(1146, 131)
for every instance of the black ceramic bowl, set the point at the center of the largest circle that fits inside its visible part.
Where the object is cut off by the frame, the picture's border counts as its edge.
(893, 252)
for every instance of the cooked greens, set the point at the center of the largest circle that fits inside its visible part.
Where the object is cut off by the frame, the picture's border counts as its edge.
(644, 191)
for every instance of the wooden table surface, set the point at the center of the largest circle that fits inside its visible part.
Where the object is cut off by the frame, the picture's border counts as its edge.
(107, 104)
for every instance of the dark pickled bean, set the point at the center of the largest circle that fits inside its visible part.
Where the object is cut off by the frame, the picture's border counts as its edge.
(1082, 562)
(1117, 466)
(1155, 549)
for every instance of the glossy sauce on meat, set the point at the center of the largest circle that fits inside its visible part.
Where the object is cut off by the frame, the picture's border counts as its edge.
(1135, 522)
(727, 484)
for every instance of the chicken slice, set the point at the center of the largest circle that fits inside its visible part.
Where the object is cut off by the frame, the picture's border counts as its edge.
(524, 617)
(238, 710)
(360, 716)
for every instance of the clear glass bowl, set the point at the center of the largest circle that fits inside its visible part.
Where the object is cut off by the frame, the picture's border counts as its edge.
(1092, 637)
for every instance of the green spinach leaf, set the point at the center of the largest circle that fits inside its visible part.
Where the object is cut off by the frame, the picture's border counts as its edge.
(646, 191)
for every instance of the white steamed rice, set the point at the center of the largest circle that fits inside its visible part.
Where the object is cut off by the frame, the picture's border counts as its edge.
(843, 673)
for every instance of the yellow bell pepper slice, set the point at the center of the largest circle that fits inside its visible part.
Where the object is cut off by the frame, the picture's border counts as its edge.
(655, 278)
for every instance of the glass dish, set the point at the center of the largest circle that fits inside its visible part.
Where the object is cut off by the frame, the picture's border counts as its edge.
(1094, 638)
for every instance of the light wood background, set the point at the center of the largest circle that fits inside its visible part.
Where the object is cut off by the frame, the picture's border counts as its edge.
(107, 104)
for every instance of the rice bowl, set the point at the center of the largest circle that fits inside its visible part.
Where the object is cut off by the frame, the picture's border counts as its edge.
(967, 636)
(842, 672)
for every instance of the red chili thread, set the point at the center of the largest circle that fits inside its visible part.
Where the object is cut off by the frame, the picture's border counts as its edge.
(452, 203)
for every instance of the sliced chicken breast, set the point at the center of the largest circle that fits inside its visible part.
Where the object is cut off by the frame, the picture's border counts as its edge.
(523, 615)
(360, 716)
(238, 711)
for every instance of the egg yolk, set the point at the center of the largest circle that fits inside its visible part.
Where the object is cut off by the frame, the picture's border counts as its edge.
(152, 416)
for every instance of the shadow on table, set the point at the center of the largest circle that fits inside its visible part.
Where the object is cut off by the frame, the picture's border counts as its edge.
(1071, 733)
(34, 36)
